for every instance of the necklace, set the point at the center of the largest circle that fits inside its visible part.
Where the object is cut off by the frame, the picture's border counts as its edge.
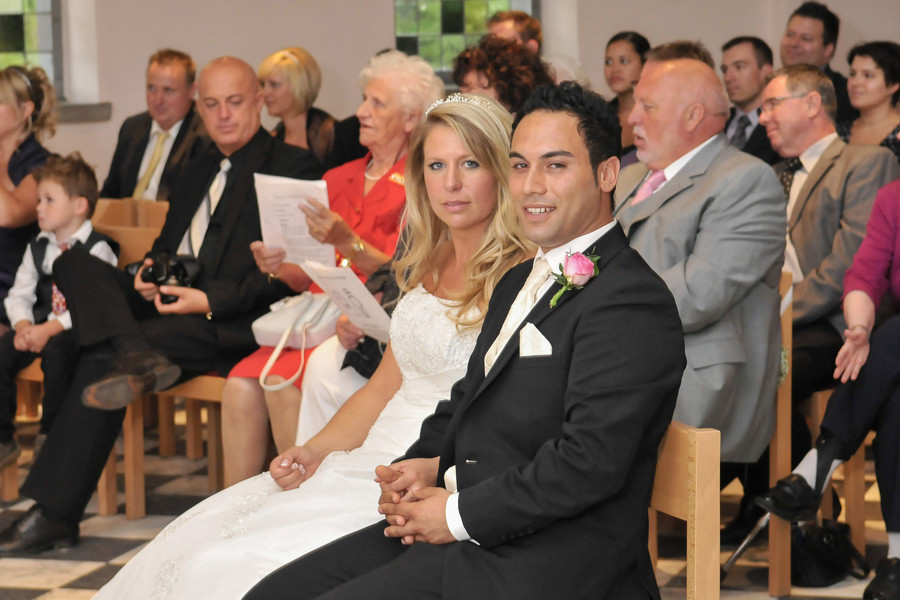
(372, 177)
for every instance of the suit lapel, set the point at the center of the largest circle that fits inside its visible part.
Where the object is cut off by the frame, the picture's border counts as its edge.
(823, 165)
(606, 247)
(695, 167)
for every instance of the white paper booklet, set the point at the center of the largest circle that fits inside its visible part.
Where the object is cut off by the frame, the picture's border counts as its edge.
(352, 297)
(282, 222)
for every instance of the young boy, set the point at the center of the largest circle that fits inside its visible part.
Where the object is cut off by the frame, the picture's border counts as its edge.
(67, 195)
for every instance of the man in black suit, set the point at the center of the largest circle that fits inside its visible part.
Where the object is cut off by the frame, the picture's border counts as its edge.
(746, 66)
(125, 330)
(153, 144)
(550, 439)
(810, 38)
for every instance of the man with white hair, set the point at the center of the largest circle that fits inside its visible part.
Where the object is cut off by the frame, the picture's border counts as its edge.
(710, 220)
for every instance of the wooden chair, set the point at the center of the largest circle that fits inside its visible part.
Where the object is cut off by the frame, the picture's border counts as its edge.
(129, 212)
(780, 452)
(686, 486)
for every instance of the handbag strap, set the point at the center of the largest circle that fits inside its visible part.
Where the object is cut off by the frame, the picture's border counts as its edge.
(277, 387)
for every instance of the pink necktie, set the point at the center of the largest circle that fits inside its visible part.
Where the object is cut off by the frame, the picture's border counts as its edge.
(650, 185)
(57, 300)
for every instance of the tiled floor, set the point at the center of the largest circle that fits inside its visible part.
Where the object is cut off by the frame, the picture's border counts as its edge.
(174, 484)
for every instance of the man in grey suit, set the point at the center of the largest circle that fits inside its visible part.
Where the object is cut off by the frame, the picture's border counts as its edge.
(714, 231)
(830, 189)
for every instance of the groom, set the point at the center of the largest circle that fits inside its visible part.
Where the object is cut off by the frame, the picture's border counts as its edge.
(550, 440)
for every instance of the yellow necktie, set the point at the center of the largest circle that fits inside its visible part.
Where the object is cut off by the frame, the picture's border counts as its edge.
(521, 306)
(141, 187)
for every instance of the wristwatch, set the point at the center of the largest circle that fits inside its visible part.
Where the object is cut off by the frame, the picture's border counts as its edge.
(357, 246)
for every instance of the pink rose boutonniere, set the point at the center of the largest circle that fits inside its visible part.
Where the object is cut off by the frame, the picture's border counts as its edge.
(576, 270)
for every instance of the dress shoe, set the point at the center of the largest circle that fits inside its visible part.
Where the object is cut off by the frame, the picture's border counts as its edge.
(132, 374)
(33, 532)
(792, 499)
(886, 583)
(9, 452)
(738, 528)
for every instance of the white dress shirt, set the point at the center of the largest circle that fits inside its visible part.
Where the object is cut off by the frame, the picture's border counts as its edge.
(555, 258)
(22, 295)
(155, 131)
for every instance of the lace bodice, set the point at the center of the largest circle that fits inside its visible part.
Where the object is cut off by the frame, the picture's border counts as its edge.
(424, 339)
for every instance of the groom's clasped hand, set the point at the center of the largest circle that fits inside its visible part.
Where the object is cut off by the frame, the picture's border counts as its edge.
(411, 503)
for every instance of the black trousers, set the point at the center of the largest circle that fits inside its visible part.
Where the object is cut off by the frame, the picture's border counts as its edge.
(58, 359)
(872, 402)
(104, 305)
(363, 565)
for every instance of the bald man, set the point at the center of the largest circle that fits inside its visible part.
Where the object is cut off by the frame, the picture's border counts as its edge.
(710, 220)
(133, 342)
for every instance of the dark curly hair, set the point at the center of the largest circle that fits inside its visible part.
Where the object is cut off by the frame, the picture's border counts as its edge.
(598, 122)
(511, 70)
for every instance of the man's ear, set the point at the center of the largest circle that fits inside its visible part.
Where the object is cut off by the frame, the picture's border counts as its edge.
(693, 114)
(608, 174)
(813, 104)
(829, 52)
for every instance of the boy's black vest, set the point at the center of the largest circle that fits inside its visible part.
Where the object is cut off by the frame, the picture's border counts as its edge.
(43, 304)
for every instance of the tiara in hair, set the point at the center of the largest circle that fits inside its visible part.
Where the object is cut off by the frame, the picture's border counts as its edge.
(21, 73)
(457, 97)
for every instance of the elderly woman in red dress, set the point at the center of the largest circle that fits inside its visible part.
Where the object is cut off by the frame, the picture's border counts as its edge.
(366, 198)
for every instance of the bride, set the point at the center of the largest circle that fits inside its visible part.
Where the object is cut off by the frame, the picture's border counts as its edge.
(461, 239)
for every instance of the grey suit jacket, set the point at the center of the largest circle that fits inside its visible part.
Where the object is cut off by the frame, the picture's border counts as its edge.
(828, 223)
(715, 233)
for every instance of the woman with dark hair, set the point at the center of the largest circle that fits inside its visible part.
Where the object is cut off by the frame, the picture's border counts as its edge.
(500, 69)
(874, 88)
(626, 52)
(27, 114)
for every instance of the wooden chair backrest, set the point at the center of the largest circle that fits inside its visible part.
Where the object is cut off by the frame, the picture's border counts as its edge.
(130, 212)
(686, 486)
(134, 242)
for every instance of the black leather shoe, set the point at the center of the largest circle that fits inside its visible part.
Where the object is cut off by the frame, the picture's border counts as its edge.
(792, 499)
(132, 374)
(33, 532)
(886, 584)
(738, 528)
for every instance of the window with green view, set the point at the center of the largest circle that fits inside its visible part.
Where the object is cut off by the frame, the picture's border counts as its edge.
(29, 33)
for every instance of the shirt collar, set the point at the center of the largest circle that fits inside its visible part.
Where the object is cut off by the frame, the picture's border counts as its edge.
(679, 163)
(810, 156)
(556, 256)
(80, 235)
(173, 130)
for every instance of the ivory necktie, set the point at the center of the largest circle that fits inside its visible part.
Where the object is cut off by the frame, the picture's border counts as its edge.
(787, 175)
(650, 185)
(200, 222)
(739, 139)
(141, 187)
(57, 300)
(520, 307)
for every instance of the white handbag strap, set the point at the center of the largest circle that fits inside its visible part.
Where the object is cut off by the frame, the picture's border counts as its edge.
(277, 387)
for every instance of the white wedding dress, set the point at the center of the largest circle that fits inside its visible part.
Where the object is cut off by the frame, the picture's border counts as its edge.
(227, 543)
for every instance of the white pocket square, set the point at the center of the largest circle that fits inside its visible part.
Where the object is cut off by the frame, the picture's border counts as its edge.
(532, 343)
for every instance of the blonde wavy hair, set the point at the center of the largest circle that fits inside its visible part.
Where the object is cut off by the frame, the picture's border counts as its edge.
(301, 71)
(19, 85)
(484, 128)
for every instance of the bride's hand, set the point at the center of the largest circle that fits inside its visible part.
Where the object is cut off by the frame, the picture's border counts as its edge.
(294, 466)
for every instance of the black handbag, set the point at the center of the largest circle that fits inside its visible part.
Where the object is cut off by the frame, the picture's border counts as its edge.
(822, 555)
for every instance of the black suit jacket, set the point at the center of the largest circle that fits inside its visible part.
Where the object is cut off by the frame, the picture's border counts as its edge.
(133, 137)
(555, 455)
(237, 291)
(758, 144)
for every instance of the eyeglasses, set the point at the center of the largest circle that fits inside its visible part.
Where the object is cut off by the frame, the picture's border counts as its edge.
(770, 104)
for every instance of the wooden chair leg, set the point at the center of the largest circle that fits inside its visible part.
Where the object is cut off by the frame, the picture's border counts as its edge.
(9, 483)
(193, 428)
(216, 466)
(854, 497)
(107, 488)
(166, 425)
(135, 493)
(28, 394)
